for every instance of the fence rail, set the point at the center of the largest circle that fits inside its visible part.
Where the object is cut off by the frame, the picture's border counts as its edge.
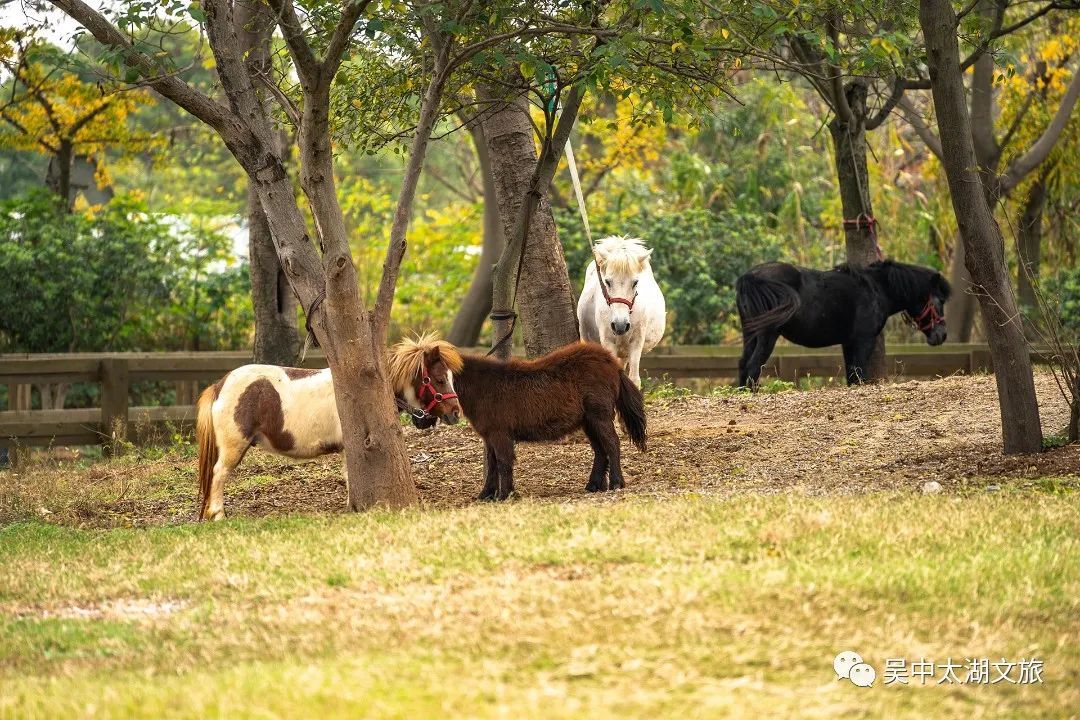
(116, 420)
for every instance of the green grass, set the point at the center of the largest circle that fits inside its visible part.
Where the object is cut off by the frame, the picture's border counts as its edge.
(693, 606)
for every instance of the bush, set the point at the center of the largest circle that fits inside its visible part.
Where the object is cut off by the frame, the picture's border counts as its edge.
(115, 279)
(1064, 289)
(72, 281)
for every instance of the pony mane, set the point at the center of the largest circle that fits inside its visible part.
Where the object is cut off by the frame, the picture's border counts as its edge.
(622, 255)
(903, 279)
(407, 358)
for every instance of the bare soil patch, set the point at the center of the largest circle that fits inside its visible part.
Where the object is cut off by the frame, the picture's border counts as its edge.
(833, 440)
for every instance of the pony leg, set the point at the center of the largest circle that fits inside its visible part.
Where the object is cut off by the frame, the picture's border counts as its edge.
(491, 475)
(601, 425)
(749, 345)
(345, 475)
(762, 350)
(227, 462)
(634, 369)
(611, 446)
(857, 360)
(502, 446)
(598, 474)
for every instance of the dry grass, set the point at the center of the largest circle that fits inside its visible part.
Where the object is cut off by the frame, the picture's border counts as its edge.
(742, 558)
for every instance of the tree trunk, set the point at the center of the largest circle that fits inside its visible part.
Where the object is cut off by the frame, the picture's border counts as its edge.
(465, 332)
(860, 232)
(544, 296)
(276, 339)
(1029, 242)
(327, 287)
(58, 177)
(961, 307)
(983, 243)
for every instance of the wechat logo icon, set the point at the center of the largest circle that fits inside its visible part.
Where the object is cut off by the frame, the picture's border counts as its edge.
(849, 665)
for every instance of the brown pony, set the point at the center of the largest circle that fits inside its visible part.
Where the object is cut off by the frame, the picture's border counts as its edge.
(579, 386)
(286, 411)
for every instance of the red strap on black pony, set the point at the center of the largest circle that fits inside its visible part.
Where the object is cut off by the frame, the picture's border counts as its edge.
(929, 318)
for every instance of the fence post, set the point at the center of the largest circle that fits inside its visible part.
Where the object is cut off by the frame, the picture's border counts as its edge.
(114, 402)
(19, 398)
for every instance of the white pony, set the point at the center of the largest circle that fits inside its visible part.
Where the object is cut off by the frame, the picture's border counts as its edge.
(625, 313)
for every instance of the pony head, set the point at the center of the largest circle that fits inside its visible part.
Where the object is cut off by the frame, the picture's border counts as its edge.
(422, 372)
(621, 261)
(921, 292)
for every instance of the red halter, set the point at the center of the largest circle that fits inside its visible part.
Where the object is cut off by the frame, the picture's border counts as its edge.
(436, 397)
(929, 318)
(612, 300)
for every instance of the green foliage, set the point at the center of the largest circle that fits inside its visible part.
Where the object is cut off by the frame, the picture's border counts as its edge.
(1064, 288)
(205, 301)
(114, 279)
(662, 389)
(75, 281)
(697, 256)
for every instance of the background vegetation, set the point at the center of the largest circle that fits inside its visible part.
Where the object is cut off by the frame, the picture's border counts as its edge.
(747, 181)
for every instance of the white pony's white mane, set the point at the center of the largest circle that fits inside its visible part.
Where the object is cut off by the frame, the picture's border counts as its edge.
(621, 255)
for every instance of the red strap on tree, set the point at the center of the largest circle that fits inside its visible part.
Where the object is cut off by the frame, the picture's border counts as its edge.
(870, 223)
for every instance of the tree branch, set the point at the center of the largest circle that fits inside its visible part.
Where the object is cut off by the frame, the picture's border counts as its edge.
(811, 69)
(1034, 157)
(307, 65)
(172, 87)
(1000, 31)
(843, 109)
(22, 129)
(287, 105)
(921, 129)
(395, 250)
(1016, 121)
(82, 122)
(898, 88)
(335, 50)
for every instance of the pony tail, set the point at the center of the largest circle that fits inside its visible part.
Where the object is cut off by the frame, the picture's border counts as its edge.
(207, 442)
(764, 303)
(631, 406)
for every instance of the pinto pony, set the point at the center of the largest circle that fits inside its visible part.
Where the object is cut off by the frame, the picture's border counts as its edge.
(845, 306)
(291, 412)
(579, 386)
(621, 306)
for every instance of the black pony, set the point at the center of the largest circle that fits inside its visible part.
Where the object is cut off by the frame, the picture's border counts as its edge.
(845, 306)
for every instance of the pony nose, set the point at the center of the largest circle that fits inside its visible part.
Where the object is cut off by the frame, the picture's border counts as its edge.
(620, 327)
(451, 418)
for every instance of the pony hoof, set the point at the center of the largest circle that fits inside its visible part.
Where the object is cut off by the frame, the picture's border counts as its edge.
(593, 487)
(486, 496)
(217, 516)
(617, 484)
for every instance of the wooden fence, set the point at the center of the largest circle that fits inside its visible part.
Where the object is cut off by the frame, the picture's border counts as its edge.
(116, 420)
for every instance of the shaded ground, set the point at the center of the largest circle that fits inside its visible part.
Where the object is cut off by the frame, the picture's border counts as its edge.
(831, 440)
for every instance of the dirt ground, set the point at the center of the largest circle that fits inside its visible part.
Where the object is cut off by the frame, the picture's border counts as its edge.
(832, 440)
